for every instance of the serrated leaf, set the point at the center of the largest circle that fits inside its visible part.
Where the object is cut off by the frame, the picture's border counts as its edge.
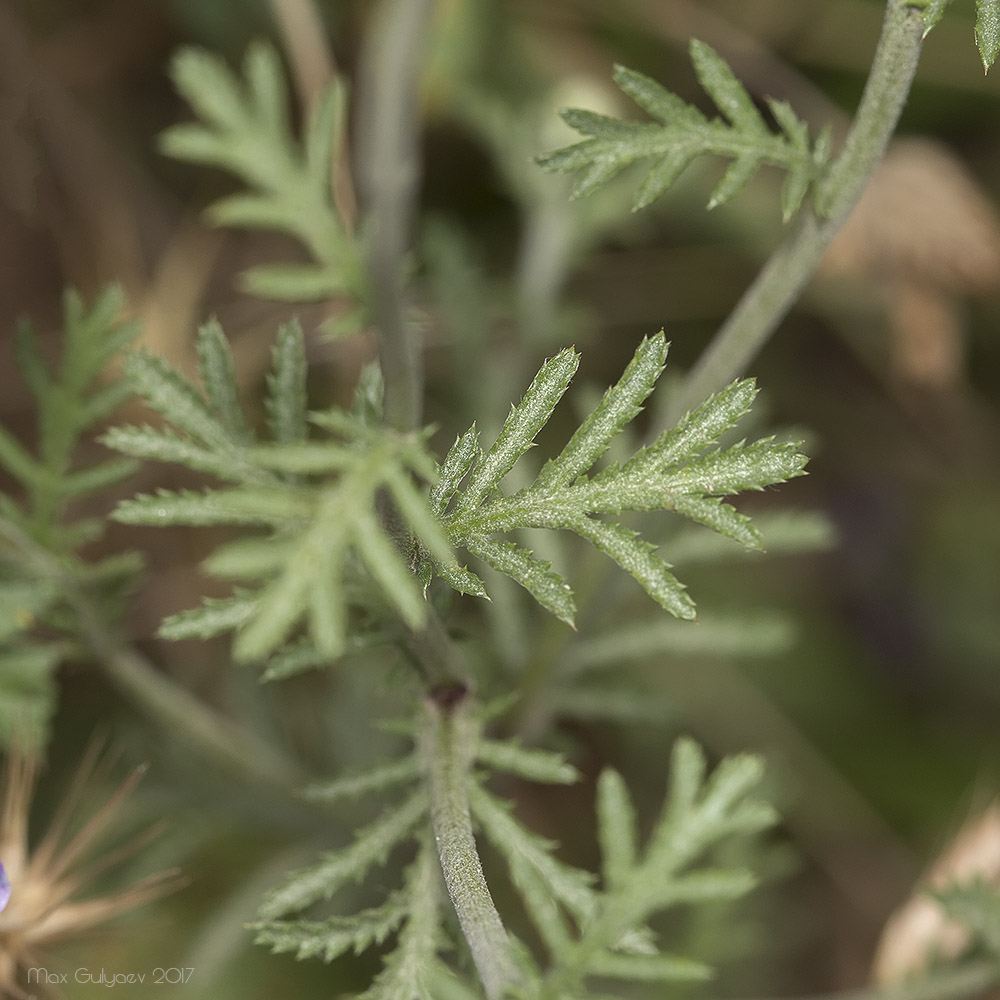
(639, 560)
(671, 474)
(174, 397)
(655, 99)
(729, 95)
(720, 517)
(683, 133)
(236, 506)
(215, 615)
(988, 31)
(571, 887)
(285, 402)
(931, 13)
(328, 939)
(28, 693)
(167, 446)
(245, 129)
(535, 575)
(620, 404)
(371, 846)
(525, 420)
(408, 972)
(530, 764)
(218, 376)
(375, 779)
(454, 468)
(736, 177)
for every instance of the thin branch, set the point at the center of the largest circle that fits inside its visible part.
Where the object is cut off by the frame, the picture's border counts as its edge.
(179, 713)
(388, 174)
(779, 284)
(449, 742)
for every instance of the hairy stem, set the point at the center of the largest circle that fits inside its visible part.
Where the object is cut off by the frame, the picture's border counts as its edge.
(449, 742)
(388, 173)
(767, 301)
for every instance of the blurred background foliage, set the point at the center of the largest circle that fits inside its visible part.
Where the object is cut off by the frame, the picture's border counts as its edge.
(865, 669)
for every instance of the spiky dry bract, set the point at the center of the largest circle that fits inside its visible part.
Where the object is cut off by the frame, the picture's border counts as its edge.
(244, 129)
(683, 133)
(681, 471)
(38, 561)
(317, 497)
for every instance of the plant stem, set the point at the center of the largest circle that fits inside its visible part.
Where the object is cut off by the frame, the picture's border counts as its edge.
(186, 719)
(767, 301)
(178, 712)
(449, 743)
(388, 172)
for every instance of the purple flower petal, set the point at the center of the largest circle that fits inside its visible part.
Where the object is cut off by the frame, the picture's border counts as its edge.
(4, 889)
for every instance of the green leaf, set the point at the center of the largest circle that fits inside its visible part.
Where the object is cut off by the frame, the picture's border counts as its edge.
(376, 779)
(28, 693)
(371, 846)
(639, 560)
(174, 397)
(215, 615)
(330, 938)
(218, 375)
(620, 404)
(236, 506)
(931, 13)
(519, 430)
(455, 467)
(286, 386)
(532, 765)
(616, 829)
(535, 575)
(682, 134)
(988, 31)
(293, 282)
(674, 473)
(245, 130)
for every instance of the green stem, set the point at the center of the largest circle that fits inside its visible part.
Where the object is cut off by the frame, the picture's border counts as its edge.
(450, 741)
(767, 301)
(388, 174)
(178, 712)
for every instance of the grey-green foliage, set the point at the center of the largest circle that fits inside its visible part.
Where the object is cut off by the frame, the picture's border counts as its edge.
(590, 928)
(39, 566)
(245, 130)
(681, 471)
(314, 499)
(682, 133)
(987, 24)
